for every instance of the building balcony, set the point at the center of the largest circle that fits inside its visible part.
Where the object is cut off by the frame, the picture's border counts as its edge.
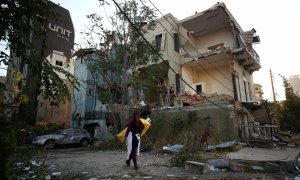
(247, 56)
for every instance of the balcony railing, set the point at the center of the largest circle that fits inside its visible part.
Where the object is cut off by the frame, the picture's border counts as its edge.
(250, 50)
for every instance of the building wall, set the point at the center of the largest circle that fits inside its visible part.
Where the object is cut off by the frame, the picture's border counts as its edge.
(295, 82)
(85, 98)
(258, 92)
(214, 38)
(210, 85)
(181, 125)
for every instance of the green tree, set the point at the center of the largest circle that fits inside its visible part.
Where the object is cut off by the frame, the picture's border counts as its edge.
(122, 51)
(18, 20)
(290, 109)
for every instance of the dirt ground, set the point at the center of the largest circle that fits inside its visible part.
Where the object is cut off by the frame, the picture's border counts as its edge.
(83, 163)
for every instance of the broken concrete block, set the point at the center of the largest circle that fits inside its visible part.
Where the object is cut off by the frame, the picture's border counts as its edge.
(219, 163)
(235, 167)
(196, 167)
(272, 167)
(257, 168)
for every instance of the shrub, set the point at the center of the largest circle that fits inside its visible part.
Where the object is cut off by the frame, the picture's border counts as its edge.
(184, 155)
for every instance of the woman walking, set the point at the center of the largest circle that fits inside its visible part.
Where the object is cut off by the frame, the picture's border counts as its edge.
(133, 136)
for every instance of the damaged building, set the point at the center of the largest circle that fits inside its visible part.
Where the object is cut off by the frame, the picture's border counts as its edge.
(210, 58)
(211, 52)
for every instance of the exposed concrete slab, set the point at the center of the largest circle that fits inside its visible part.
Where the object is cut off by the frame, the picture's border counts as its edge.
(286, 158)
(196, 167)
(259, 154)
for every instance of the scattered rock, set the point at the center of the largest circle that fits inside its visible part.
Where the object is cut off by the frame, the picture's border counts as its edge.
(272, 167)
(196, 167)
(126, 176)
(219, 163)
(257, 168)
(235, 167)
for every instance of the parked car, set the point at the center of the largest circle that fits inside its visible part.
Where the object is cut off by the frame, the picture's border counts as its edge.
(66, 136)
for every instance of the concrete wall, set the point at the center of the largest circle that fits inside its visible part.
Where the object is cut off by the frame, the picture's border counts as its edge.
(50, 111)
(295, 82)
(209, 82)
(180, 125)
(57, 113)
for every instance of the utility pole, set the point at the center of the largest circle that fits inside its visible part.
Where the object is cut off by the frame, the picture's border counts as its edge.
(275, 106)
(274, 96)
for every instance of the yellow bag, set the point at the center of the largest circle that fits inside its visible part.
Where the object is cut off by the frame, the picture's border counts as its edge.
(147, 124)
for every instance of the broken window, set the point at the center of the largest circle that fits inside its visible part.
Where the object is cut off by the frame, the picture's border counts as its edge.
(54, 104)
(176, 42)
(160, 41)
(199, 88)
(250, 93)
(58, 63)
(237, 88)
(245, 88)
(180, 85)
(90, 92)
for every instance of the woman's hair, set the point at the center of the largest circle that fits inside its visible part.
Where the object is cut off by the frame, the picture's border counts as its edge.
(145, 113)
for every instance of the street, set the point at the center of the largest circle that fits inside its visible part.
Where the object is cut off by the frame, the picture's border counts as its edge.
(83, 163)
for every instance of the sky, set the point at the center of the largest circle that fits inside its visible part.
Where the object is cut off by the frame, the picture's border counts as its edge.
(277, 22)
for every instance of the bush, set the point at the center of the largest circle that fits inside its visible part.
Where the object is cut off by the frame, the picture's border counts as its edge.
(184, 155)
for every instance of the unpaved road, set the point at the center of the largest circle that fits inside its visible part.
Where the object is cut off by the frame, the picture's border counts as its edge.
(84, 164)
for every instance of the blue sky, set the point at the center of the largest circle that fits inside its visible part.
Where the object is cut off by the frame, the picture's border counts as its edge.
(276, 22)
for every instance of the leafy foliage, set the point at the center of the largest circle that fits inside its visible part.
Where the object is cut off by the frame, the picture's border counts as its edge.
(20, 20)
(290, 109)
(122, 51)
(184, 155)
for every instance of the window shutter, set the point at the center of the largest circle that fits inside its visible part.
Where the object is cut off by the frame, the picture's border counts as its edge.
(176, 42)
(163, 39)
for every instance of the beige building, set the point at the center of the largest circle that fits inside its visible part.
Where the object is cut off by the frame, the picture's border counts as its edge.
(258, 92)
(295, 82)
(210, 51)
(50, 111)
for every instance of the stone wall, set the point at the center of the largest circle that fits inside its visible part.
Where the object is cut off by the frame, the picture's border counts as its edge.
(182, 125)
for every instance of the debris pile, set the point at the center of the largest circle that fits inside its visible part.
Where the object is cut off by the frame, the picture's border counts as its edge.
(192, 100)
(35, 170)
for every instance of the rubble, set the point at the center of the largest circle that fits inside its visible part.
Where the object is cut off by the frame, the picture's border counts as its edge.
(196, 167)
(192, 100)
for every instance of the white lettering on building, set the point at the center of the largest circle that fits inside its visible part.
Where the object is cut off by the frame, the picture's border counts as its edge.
(59, 29)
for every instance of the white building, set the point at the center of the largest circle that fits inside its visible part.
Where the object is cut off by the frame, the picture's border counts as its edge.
(295, 83)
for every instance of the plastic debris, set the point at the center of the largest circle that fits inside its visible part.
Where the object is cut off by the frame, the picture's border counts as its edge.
(35, 163)
(174, 148)
(56, 173)
(93, 178)
(126, 176)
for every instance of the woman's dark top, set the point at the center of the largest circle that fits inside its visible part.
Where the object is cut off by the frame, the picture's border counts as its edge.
(134, 127)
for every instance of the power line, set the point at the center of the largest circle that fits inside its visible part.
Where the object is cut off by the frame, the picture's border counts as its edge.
(125, 15)
(195, 49)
